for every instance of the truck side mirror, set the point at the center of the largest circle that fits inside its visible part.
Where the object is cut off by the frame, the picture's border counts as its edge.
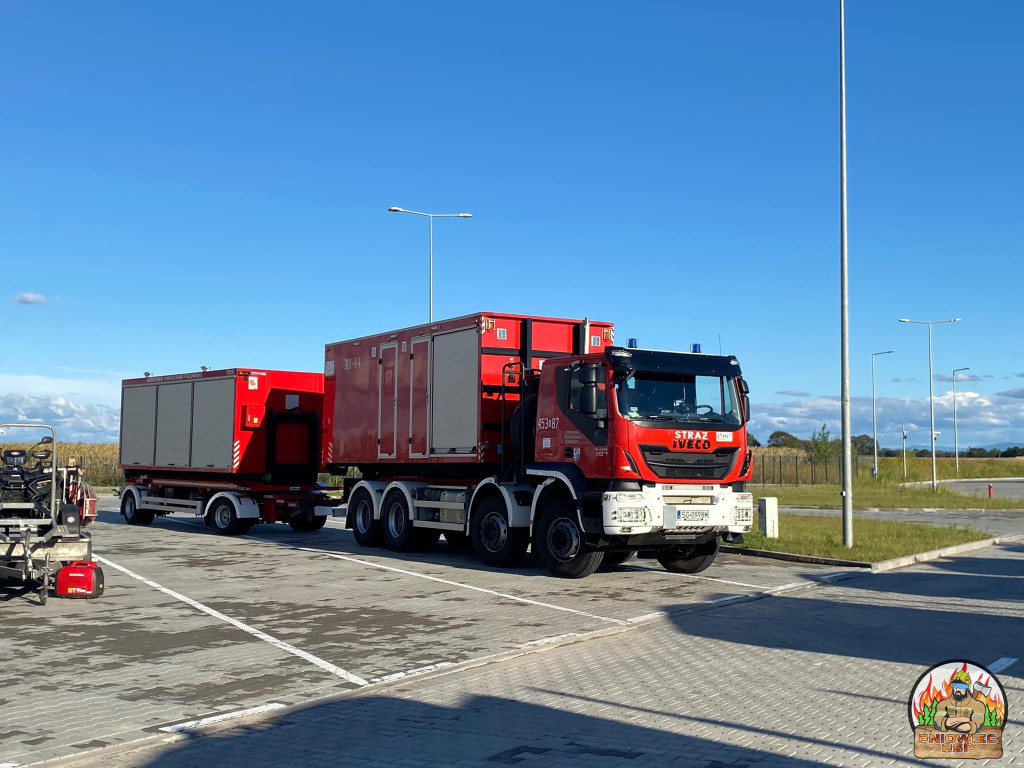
(588, 399)
(746, 408)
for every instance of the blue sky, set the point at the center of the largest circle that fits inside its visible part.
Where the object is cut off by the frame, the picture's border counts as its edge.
(197, 183)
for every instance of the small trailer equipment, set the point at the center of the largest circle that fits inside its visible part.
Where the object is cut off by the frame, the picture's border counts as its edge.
(42, 512)
(236, 446)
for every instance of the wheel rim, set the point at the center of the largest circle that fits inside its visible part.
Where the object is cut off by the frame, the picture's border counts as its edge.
(493, 531)
(396, 520)
(129, 507)
(564, 539)
(222, 516)
(364, 516)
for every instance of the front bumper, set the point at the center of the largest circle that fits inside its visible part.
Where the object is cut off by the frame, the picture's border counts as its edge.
(667, 508)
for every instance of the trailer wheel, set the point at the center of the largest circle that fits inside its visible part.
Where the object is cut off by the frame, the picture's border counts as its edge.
(562, 545)
(495, 541)
(689, 559)
(617, 558)
(226, 520)
(368, 532)
(132, 514)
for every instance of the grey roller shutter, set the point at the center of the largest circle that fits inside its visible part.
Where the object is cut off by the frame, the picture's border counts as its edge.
(138, 425)
(455, 392)
(173, 424)
(213, 423)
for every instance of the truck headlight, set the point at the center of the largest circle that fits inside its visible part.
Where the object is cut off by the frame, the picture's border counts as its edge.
(632, 515)
(626, 496)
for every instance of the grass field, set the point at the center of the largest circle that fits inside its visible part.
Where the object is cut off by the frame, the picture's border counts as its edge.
(867, 493)
(874, 540)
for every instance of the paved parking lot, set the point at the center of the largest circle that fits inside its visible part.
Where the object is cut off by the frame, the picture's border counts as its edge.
(194, 624)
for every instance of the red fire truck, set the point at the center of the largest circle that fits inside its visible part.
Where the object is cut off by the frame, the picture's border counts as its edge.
(505, 431)
(236, 446)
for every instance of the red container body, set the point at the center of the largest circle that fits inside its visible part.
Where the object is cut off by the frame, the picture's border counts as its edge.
(235, 421)
(427, 399)
(80, 579)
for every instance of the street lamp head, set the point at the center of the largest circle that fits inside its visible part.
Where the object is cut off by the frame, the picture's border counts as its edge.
(904, 320)
(395, 209)
(465, 215)
(955, 320)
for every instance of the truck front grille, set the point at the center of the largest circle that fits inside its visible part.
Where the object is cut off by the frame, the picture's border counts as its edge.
(679, 465)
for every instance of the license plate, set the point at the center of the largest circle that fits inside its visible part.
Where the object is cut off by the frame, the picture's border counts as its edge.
(692, 515)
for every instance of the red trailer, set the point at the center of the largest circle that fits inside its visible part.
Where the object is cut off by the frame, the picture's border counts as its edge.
(503, 431)
(237, 446)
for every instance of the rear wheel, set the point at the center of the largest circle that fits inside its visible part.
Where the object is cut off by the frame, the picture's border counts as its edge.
(399, 531)
(562, 545)
(368, 532)
(495, 541)
(617, 558)
(689, 559)
(225, 519)
(131, 512)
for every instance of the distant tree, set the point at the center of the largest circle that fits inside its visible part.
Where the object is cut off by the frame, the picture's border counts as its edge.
(822, 446)
(863, 445)
(752, 441)
(1012, 452)
(975, 453)
(889, 453)
(780, 439)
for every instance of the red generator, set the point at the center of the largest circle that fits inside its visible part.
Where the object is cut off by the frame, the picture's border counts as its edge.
(82, 579)
(427, 400)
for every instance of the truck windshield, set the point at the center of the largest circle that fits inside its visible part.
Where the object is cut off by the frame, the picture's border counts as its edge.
(648, 396)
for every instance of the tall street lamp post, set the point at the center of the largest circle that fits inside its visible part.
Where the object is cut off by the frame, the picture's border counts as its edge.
(874, 418)
(844, 300)
(430, 219)
(931, 386)
(956, 444)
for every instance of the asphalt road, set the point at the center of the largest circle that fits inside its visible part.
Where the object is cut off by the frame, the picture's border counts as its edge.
(819, 675)
(1001, 489)
(193, 625)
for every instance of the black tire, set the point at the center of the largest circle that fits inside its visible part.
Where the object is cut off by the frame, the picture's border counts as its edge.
(689, 559)
(226, 521)
(302, 524)
(617, 558)
(562, 544)
(458, 542)
(368, 532)
(494, 540)
(398, 530)
(131, 512)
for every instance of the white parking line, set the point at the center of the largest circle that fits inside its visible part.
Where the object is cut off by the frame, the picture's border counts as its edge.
(694, 576)
(315, 660)
(439, 580)
(1000, 664)
(204, 721)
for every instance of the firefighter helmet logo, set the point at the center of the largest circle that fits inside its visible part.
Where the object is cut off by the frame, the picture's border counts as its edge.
(958, 709)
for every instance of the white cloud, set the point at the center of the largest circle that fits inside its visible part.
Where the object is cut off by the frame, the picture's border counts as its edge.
(30, 298)
(73, 421)
(102, 390)
(981, 419)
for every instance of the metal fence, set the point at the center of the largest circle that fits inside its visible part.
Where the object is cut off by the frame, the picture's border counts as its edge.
(805, 470)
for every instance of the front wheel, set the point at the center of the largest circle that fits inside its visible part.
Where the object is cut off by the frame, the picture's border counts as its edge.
(689, 559)
(562, 545)
(226, 520)
(496, 542)
(131, 512)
